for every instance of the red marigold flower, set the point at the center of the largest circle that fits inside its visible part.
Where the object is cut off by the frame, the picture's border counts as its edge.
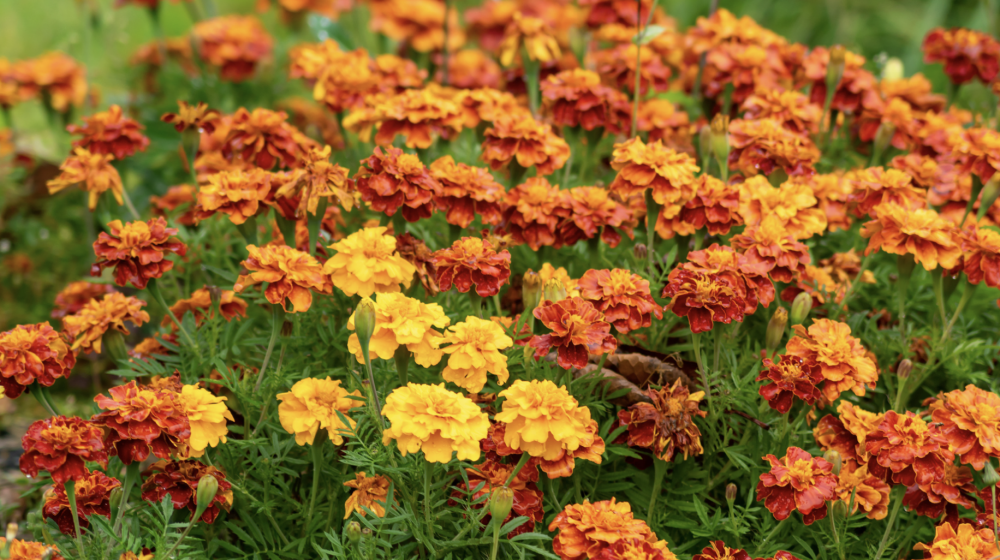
(702, 299)
(469, 262)
(200, 305)
(62, 446)
(875, 185)
(180, 480)
(617, 66)
(108, 132)
(733, 269)
(621, 296)
(966, 54)
(578, 98)
(981, 259)
(895, 112)
(773, 249)
(391, 179)
(624, 12)
(847, 433)
(841, 358)
(634, 549)
(671, 175)
(914, 451)
(519, 137)
(137, 251)
(493, 475)
(291, 275)
(717, 550)
(587, 529)
(594, 212)
(578, 330)
(93, 172)
(789, 378)
(263, 137)
(93, 494)
(715, 207)
(855, 86)
(139, 420)
(534, 212)
(665, 426)
(30, 353)
(954, 487)
(75, 295)
(761, 146)
(96, 317)
(968, 421)
(467, 191)
(792, 108)
(234, 43)
(798, 481)
(867, 491)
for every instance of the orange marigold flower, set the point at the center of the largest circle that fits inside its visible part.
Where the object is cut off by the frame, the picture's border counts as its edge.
(855, 86)
(842, 359)
(371, 492)
(314, 177)
(416, 114)
(29, 550)
(743, 68)
(30, 353)
(968, 421)
(667, 124)
(875, 185)
(670, 174)
(832, 192)
(769, 247)
(717, 550)
(703, 299)
(794, 203)
(419, 24)
(234, 43)
(262, 137)
(75, 295)
(200, 305)
(724, 265)
(665, 425)
(140, 420)
(921, 233)
(939, 177)
(621, 296)
(237, 194)
(62, 446)
(290, 275)
(471, 69)
(391, 180)
(199, 118)
(578, 98)
(966, 54)
(981, 256)
(798, 481)
(180, 480)
(469, 262)
(93, 172)
(868, 491)
(715, 207)
(954, 488)
(896, 113)
(791, 377)
(578, 330)
(617, 66)
(594, 211)
(151, 346)
(761, 146)
(93, 495)
(108, 132)
(587, 529)
(55, 77)
(966, 542)
(178, 196)
(493, 475)
(624, 12)
(982, 152)
(793, 109)
(466, 191)
(137, 251)
(519, 137)
(534, 34)
(916, 90)
(88, 325)
(914, 451)
(534, 211)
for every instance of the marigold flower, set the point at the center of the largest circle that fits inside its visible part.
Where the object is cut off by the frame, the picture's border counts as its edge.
(548, 272)
(472, 261)
(714, 206)
(953, 488)
(546, 422)
(97, 316)
(534, 34)
(419, 24)
(199, 118)
(151, 346)
(366, 263)
(914, 451)
(869, 491)
(667, 124)
(391, 180)
(593, 212)
(471, 69)
(847, 432)
(137, 251)
(916, 90)
(400, 320)
(55, 77)
(895, 113)
(745, 68)
(966, 542)
(139, 420)
(108, 132)
(75, 295)
(670, 174)
(717, 550)
(28, 550)
(434, 420)
(493, 475)
(856, 85)
(968, 421)
(534, 211)
(578, 330)
(177, 196)
(587, 529)
(467, 191)
(921, 233)
(93, 172)
(30, 353)
(792, 108)
(966, 54)
(770, 248)
(313, 178)
(417, 114)
(234, 43)
(578, 98)
(264, 138)
(798, 481)
(519, 137)
(732, 269)
(370, 492)
(180, 480)
(617, 66)
(794, 203)
(93, 494)
(200, 305)
(207, 415)
(875, 185)
(621, 296)
(312, 405)
(702, 299)
(635, 548)
(982, 152)
(474, 350)
(62, 446)
(291, 276)
(841, 358)
(789, 378)
(761, 146)
(666, 425)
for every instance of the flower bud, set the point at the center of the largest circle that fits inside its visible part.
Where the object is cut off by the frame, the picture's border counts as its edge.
(11, 531)
(904, 368)
(364, 321)
(775, 330)
(989, 195)
(839, 509)
(215, 294)
(115, 497)
(354, 531)
(501, 501)
(640, 252)
(835, 68)
(705, 144)
(555, 290)
(113, 345)
(883, 136)
(531, 290)
(833, 457)
(49, 553)
(720, 138)
(208, 486)
(801, 306)
(990, 475)
(366, 532)
(893, 70)
(730, 493)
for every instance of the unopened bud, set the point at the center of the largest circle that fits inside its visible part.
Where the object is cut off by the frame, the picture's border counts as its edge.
(833, 457)
(11, 531)
(364, 321)
(501, 501)
(113, 345)
(214, 294)
(555, 290)
(531, 290)
(115, 497)
(730, 492)
(801, 306)
(366, 532)
(528, 352)
(990, 191)
(835, 69)
(893, 70)
(775, 330)
(883, 136)
(287, 328)
(990, 475)
(354, 531)
(640, 252)
(720, 138)
(839, 509)
(208, 486)
(705, 144)
(904, 368)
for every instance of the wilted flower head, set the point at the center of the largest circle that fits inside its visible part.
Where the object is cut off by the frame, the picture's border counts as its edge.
(840, 357)
(137, 251)
(534, 34)
(140, 420)
(578, 330)
(75, 295)
(371, 492)
(790, 378)
(434, 420)
(641, 166)
(472, 262)
(207, 415)
(968, 421)
(233, 43)
(921, 233)
(665, 426)
(467, 191)
(403, 321)
(578, 98)
(966, 54)
(474, 350)
(714, 207)
(798, 481)
(30, 353)
(907, 449)
(703, 299)
(180, 480)
(291, 276)
(97, 316)
(392, 181)
(534, 211)
(54, 76)
(623, 298)
(761, 146)
(93, 172)
(93, 494)
(966, 542)
(312, 405)
(518, 137)
(62, 446)
(263, 137)
(367, 263)
(587, 529)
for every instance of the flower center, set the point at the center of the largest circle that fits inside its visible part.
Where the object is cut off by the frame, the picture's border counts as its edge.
(801, 471)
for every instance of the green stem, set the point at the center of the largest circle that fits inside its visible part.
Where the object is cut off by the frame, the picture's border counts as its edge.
(496, 538)
(154, 290)
(652, 214)
(317, 456)
(70, 488)
(659, 470)
(896, 497)
(718, 347)
(131, 477)
(966, 297)
(129, 205)
(523, 460)
(477, 302)
(496, 304)
(248, 230)
(371, 380)
(428, 472)
(857, 280)
(315, 223)
(41, 394)
(531, 70)
(277, 319)
(936, 281)
(696, 345)
(767, 539)
(996, 529)
(904, 267)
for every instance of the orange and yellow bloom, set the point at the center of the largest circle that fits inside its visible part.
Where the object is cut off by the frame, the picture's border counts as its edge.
(291, 276)
(434, 420)
(312, 405)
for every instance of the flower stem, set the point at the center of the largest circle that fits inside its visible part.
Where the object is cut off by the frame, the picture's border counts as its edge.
(996, 529)
(131, 477)
(767, 539)
(904, 266)
(496, 538)
(517, 468)
(696, 344)
(970, 288)
(652, 214)
(371, 381)
(70, 488)
(154, 290)
(531, 71)
(428, 472)
(897, 500)
(41, 394)
(936, 280)
(857, 280)
(659, 470)
(129, 205)
(317, 456)
(277, 319)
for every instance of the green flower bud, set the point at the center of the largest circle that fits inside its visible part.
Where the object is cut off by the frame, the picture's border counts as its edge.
(354, 532)
(893, 70)
(364, 321)
(839, 509)
(113, 345)
(833, 457)
(801, 306)
(835, 68)
(775, 330)
(705, 144)
(555, 290)
(990, 475)
(904, 368)
(730, 493)
(720, 139)
(501, 502)
(208, 486)
(989, 195)
(883, 136)
(531, 290)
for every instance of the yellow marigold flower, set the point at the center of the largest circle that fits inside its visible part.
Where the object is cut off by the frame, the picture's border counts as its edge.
(921, 232)
(93, 172)
(793, 202)
(417, 114)
(841, 357)
(371, 492)
(670, 174)
(545, 421)
(536, 36)
(98, 315)
(314, 177)
(312, 405)
(548, 272)
(434, 420)
(966, 544)
(290, 274)
(474, 351)
(400, 320)
(207, 415)
(367, 263)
